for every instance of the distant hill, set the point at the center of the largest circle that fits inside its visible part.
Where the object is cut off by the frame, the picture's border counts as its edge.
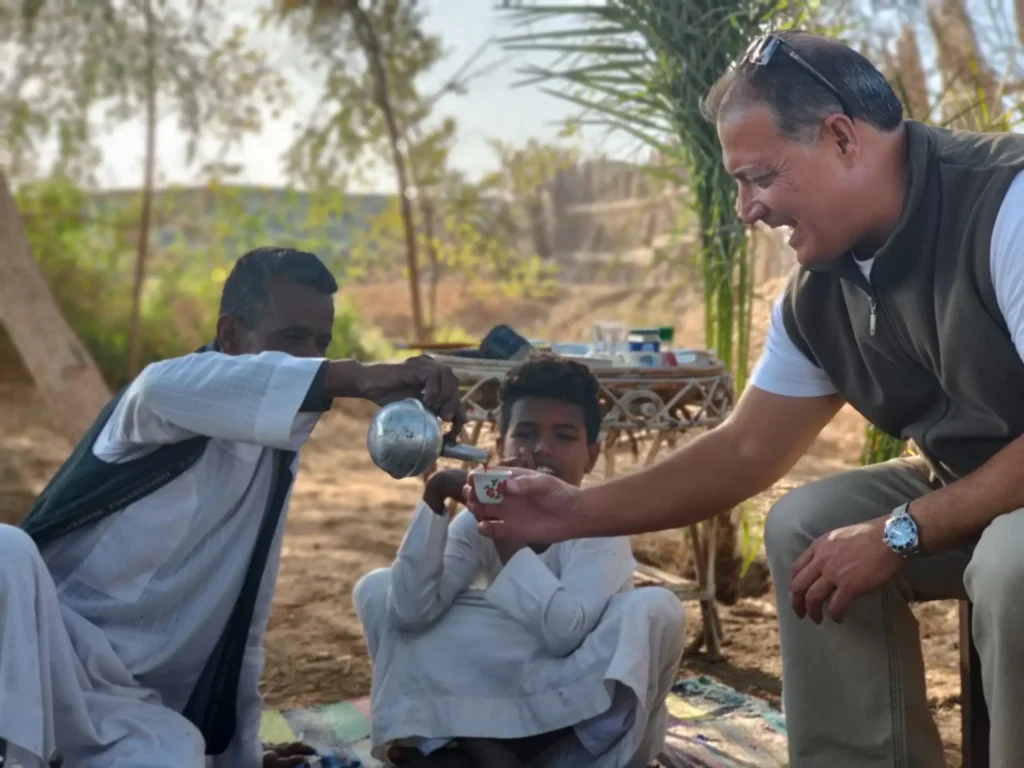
(584, 217)
(282, 215)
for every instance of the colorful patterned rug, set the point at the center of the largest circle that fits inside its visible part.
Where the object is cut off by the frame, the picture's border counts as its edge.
(713, 726)
(710, 726)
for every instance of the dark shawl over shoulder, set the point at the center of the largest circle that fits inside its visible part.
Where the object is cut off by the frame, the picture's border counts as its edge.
(87, 489)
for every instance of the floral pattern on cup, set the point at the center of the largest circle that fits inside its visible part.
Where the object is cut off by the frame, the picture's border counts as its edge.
(495, 489)
(490, 485)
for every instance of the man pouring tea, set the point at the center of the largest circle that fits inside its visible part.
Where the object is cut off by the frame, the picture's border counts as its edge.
(135, 597)
(908, 304)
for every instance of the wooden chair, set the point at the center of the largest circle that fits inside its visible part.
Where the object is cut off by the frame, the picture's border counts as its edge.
(974, 722)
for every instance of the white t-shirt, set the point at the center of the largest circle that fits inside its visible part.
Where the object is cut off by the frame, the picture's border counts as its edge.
(784, 370)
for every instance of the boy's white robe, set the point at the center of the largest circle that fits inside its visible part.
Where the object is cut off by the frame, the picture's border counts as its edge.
(555, 640)
(103, 636)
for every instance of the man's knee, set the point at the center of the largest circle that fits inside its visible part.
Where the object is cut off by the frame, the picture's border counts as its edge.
(19, 556)
(790, 522)
(371, 595)
(995, 574)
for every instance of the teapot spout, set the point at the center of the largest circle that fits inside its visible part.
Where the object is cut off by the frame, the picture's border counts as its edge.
(463, 452)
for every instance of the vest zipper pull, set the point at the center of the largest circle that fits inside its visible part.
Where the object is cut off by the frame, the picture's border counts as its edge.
(871, 324)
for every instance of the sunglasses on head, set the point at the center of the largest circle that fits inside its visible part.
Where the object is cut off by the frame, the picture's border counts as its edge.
(760, 54)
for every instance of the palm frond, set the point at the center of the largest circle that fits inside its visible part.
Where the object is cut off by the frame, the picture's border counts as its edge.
(640, 68)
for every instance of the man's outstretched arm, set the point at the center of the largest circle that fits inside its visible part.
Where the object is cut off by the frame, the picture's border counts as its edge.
(270, 399)
(756, 446)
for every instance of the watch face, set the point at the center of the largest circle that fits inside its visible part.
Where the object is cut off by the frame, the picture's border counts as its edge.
(901, 533)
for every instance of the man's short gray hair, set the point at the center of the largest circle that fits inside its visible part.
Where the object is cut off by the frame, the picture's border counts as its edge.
(796, 99)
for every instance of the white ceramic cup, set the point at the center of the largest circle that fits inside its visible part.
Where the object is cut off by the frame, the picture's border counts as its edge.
(489, 485)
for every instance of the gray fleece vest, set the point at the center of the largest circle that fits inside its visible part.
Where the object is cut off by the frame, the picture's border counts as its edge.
(922, 350)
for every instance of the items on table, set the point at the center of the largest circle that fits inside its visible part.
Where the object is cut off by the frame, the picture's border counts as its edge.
(666, 335)
(613, 345)
(639, 347)
(652, 347)
(645, 347)
(609, 342)
(500, 343)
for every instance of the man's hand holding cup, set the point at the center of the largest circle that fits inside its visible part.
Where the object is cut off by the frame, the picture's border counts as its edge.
(533, 506)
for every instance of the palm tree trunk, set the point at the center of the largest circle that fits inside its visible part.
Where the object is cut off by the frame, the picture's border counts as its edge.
(1018, 7)
(911, 73)
(973, 98)
(61, 367)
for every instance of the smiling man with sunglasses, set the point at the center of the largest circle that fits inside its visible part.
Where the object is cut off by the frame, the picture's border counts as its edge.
(908, 304)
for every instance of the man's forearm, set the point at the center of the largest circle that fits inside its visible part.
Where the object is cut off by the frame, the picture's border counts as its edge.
(958, 513)
(709, 476)
(336, 378)
(343, 378)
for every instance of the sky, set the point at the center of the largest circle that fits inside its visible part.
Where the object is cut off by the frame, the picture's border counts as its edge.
(493, 108)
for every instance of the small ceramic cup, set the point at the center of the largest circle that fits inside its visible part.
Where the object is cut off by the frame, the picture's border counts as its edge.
(489, 485)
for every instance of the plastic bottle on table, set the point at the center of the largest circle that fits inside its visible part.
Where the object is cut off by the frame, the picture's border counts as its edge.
(666, 334)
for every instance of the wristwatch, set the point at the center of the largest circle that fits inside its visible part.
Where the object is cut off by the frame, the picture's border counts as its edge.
(901, 532)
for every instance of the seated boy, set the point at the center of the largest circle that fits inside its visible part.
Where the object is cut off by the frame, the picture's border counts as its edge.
(558, 659)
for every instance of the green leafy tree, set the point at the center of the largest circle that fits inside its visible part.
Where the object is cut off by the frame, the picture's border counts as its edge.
(519, 182)
(373, 112)
(82, 64)
(477, 232)
(78, 68)
(84, 245)
(374, 55)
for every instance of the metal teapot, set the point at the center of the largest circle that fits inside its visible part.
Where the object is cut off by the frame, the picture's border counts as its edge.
(405, 439)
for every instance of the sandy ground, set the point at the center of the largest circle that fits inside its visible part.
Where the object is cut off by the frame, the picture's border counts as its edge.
(347, 518)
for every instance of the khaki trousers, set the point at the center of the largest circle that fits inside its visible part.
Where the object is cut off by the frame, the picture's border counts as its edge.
(854, 693)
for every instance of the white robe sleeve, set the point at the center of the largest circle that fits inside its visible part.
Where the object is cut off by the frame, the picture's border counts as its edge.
(240, 398)
(435, 563)
(562, 612)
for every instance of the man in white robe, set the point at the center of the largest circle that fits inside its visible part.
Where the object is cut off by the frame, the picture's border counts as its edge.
(557, 658)
(106, 629)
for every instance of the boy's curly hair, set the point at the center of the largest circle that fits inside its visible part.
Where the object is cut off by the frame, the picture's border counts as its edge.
(557, 379)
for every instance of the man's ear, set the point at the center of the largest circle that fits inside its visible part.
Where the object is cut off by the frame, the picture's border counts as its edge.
(229, 335)
(840, 130)
(595, 453)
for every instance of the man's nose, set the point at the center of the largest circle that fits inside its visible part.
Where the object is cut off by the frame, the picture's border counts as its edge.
(748, 209)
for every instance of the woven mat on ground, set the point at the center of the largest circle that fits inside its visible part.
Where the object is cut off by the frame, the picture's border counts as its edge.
(713, 726)
(710, 726)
